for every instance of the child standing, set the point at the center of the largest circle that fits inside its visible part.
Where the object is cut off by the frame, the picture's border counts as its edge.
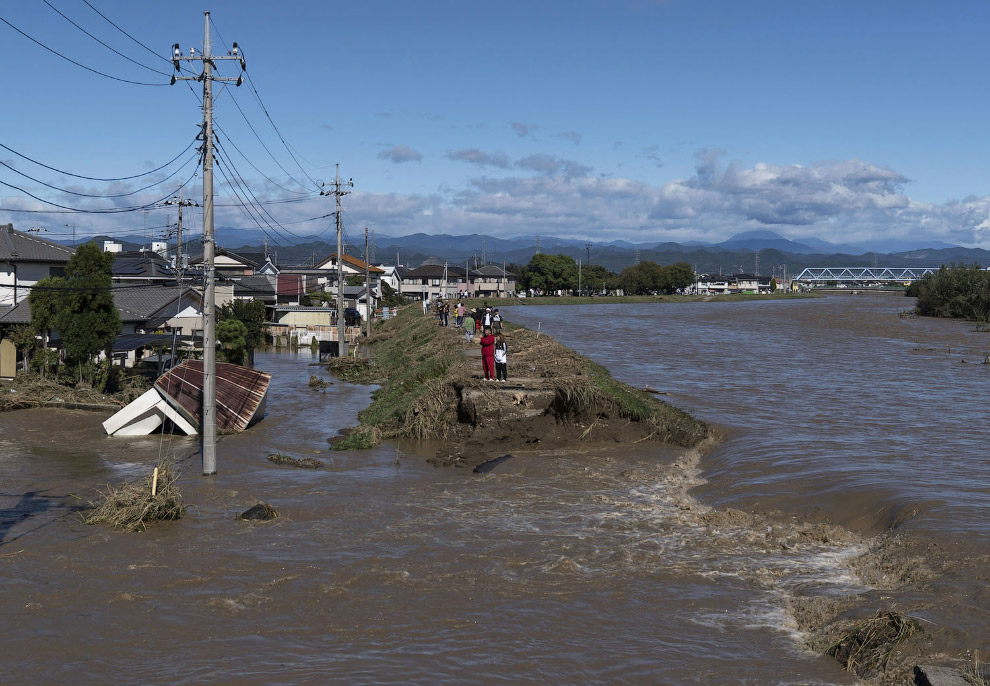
(501, 358)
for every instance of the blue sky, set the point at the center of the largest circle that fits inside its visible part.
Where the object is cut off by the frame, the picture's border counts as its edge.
(628, 119)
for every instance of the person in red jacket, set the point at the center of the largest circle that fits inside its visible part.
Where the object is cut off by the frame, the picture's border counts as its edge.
(488, 354)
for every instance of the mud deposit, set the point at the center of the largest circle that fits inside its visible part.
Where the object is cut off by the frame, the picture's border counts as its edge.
(564, 566)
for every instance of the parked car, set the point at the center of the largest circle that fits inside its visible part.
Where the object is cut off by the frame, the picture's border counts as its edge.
(352, 317)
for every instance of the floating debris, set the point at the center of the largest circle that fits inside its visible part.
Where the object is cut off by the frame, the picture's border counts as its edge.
(129, 507)
(262, 512)
(304, 463)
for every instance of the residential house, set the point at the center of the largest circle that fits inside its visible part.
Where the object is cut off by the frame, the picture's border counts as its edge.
(142, 267)
(713, 284)
(716, 284)
(228, 263)
(26, 259)
(11, 316)
(351, 266)
(492, 281)
(431, 281)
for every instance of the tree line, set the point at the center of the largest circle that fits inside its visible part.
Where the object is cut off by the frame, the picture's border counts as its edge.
(957, 291)
(549, 274)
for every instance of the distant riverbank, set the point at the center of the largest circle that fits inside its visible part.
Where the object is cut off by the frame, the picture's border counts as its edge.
(633, 299)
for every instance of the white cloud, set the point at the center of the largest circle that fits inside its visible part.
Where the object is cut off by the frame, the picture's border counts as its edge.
(850, 201)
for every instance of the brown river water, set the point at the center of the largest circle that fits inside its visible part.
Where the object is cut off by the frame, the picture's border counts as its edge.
(562, 567)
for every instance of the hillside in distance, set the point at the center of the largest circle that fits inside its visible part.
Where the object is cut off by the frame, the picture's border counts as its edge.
(763, 251)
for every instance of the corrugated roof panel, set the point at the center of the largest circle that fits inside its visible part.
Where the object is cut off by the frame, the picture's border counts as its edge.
(240, 392)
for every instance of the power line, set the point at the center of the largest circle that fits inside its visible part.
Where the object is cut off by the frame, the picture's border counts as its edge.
(270, 154)
(97, 178)
(99, 195)
(271, 121)
(113, 210)
(253, 166)
(125, 32)
(111, 49)
(247, 189)
(78, 64)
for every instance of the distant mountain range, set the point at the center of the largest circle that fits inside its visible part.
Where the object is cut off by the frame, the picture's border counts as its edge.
(750, 251)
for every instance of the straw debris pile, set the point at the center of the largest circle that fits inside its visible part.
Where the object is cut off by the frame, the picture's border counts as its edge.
(131, 506)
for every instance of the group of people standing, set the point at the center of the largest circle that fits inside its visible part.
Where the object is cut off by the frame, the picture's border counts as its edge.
(494, 351)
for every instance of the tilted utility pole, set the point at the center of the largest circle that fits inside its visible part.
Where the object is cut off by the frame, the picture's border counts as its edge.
(209, 291)
(337, 190)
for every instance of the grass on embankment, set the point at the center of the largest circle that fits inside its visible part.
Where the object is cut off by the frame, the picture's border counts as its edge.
(421, 368)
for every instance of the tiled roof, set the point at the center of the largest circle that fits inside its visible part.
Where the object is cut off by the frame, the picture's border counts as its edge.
(18, 314)
(434, 271)
(353, 261)
(259, 285)
(17, 246)
(138, 304)
(491, 270)
(144, 264)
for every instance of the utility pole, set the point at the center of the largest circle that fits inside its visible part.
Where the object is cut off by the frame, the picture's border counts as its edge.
(483, 255)
(367, 283)
(579, 277)
(337, 190)
(209, 289)
(467, 278)
(178, 237)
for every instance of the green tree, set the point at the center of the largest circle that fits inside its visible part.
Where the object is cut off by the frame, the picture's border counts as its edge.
(550, 273)
(232, 335)
(595, 278)
(24, 341)
(641, 279)
(87, 317)
(45, 301)
(522, 275)
(250, 313)
(678, 275)
(390, 297)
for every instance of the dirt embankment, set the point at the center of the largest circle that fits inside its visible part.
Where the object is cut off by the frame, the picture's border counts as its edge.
(432, 388)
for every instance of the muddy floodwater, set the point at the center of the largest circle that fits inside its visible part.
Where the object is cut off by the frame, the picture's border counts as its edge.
(567, 567)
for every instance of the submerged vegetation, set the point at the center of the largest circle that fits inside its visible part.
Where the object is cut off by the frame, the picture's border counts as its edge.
(958, 291)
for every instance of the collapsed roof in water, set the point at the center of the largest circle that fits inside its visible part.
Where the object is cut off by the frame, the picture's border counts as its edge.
(177, 396)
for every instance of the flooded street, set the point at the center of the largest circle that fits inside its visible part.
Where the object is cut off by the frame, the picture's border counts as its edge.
(558, 567)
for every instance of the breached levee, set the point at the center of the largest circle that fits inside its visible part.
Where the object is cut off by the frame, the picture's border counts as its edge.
(431, 388)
